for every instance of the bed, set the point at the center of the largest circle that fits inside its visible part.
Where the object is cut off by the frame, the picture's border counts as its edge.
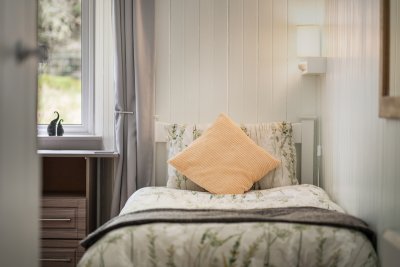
(292, 225)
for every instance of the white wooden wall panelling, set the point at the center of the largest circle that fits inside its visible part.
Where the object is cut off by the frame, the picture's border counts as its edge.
(265, 62)
(163, 59)
(302, 89)
(233, 56)
(279, 59)
(206, 60)
(191, 60)
(177, 40)
(360, 151)
(236, 64)
(221, 58)
(250, 61)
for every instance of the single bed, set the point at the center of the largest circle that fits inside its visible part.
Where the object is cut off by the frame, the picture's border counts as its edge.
(296, 225)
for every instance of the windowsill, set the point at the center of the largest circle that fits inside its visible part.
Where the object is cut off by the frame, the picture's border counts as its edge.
(78, 153)
(70, 142)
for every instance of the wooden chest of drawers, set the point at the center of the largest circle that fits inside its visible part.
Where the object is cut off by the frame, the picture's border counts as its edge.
(63, 224)
(68, 206)
(69, 203)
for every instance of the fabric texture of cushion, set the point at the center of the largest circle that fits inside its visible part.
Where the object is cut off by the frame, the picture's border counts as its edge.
(275, 137)
(224, 160)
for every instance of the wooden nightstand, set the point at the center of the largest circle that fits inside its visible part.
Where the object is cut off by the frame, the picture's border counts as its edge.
(69, 203)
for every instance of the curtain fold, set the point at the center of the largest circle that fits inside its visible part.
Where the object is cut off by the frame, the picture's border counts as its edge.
(134, 101)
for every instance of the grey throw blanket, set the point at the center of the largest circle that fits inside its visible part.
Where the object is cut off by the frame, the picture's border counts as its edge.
(302, 215)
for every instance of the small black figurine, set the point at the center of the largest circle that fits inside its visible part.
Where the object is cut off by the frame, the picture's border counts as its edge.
(51, 129)
(60, 129)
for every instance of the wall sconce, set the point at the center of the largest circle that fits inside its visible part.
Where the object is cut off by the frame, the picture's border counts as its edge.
(309, 49)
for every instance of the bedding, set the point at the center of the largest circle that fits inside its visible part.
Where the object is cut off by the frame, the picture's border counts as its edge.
(276, 138)
(224, 160)
(241, 240)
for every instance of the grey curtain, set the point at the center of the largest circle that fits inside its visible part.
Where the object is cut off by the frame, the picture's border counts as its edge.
(134, 74)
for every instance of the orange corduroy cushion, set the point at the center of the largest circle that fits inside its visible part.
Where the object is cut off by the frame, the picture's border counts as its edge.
(224, 160)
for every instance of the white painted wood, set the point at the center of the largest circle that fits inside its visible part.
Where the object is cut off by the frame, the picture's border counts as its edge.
(307, 151)
(191, 60)
(206, 61)
(177, 64)
(265, 63)
(313, 66)
(250, 61)
(19, 164)
(235, 65)
(163, 58)
(361, 152)
(104, 78)
(78, 153)
(279, 60)
(390, 248)
(303, 134)
(213, 59)
(71, 142)
(236, 56)
(217, 100)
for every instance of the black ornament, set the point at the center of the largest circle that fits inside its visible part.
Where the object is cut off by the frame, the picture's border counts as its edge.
(51, 128)
(60, 129)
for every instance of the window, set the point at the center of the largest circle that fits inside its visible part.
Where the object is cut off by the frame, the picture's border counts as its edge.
(65, 80)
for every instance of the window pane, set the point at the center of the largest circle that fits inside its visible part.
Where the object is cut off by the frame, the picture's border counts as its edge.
(59, 81)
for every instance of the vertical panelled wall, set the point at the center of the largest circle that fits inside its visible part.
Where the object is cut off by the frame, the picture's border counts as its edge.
(232, 56)
(361, 152)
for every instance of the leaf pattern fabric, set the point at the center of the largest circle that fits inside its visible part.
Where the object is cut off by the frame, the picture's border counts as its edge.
(231, 244)
(276, 138)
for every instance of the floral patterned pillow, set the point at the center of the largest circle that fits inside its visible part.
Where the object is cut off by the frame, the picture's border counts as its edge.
(179, 137)
(276, 138)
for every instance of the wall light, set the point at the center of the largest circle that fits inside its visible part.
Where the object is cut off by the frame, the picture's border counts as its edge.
(309, 49)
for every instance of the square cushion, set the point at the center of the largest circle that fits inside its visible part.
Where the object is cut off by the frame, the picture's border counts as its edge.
(224, 160)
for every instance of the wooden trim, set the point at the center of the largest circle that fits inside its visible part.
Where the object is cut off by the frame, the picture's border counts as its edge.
(385, 47)
(389, 106)
(91, 190)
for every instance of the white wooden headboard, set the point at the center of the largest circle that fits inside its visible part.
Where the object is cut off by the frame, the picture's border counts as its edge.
(303, 135)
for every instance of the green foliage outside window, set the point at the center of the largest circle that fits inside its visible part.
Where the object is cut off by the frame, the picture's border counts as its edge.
(59, 81)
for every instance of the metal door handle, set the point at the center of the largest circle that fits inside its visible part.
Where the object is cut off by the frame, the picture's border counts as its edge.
(56, 220)
(22, 53)
(56, 260)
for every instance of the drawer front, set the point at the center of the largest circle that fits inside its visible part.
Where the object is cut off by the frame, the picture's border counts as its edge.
(58, 257)
(63, 217)
(53, 218)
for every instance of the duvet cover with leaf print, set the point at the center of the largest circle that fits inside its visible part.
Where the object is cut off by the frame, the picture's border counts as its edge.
(231, 244)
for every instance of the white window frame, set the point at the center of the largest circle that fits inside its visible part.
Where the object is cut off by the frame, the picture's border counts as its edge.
(87, 68)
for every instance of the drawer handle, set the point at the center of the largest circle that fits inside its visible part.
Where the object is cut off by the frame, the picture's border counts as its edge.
(56, 220)
(56, 260)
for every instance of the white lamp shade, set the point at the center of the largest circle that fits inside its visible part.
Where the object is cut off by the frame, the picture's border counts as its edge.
(308, 41)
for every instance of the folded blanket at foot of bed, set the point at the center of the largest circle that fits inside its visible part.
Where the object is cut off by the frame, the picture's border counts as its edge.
(300, 215)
